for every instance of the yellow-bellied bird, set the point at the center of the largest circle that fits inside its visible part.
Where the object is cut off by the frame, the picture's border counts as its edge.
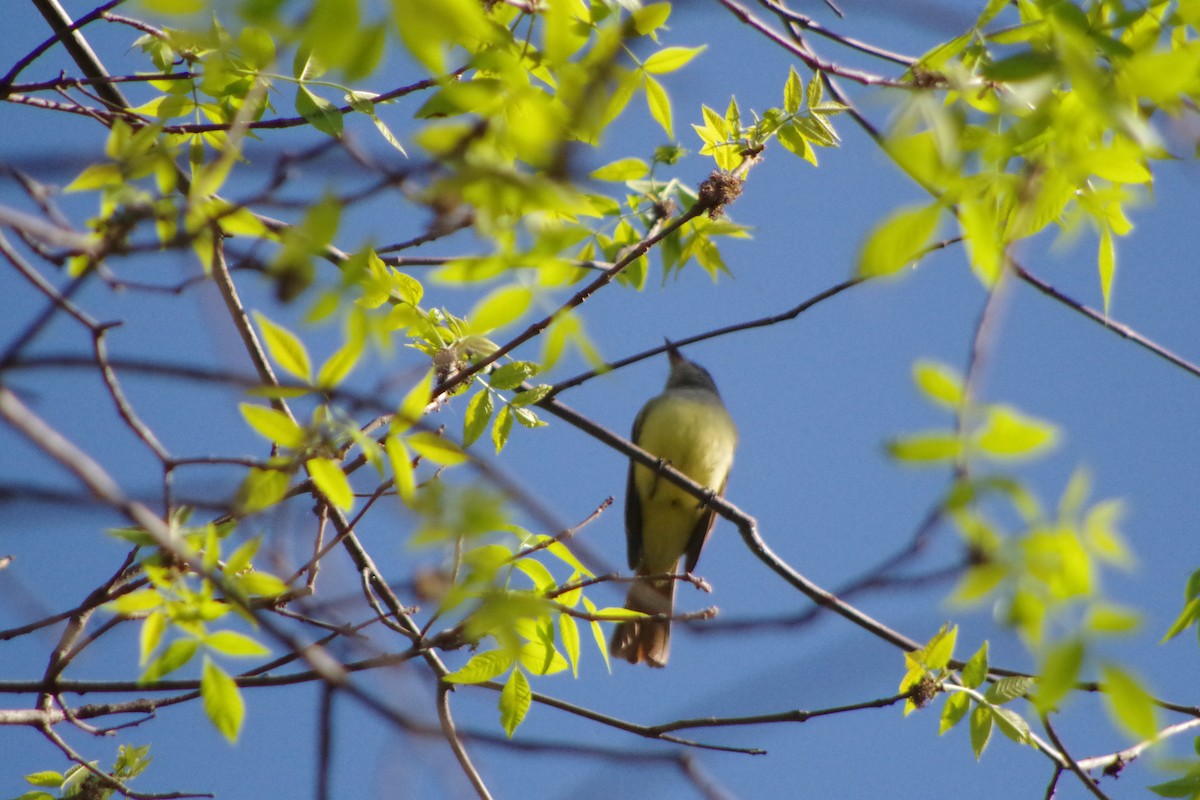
(688, 427)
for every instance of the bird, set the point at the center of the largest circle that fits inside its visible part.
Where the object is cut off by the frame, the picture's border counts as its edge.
(688, 427)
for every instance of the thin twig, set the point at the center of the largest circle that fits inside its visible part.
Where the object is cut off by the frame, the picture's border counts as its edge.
(460, 751)
(1121, 330)
(1071, 763)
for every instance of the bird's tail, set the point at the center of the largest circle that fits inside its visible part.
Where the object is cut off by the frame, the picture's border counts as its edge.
(648, 640)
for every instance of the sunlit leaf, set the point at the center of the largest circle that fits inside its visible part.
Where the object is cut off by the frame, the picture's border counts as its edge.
(512, 374)
(926, 448)
(1007, 433)
(981, 728)
(436, 448)
(151, 635)
(659, 103)
(285, 348)
(1059, 671)
(500, 307)
(939, 383)
(178, 653)
(626, 169)
(222, 700)
(327, 474)
(477, 416)
(976, 669)
(232, 643)
(515, 698)
(898, 240)
(482, 667)
(956, 707)
(1012, 725)
(1128, 702)
(670, 59)
(793, 92)
(568, 631)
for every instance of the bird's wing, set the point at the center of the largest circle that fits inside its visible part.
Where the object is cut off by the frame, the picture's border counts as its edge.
(633, 501)
(700, 533)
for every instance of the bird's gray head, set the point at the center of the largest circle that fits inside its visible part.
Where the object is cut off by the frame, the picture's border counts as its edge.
(687, 374)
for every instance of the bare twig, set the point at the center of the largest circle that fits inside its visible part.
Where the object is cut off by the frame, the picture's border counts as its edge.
(1071, 763)
(460, 751)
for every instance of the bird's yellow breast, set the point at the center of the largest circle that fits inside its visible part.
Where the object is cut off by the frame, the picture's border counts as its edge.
(692, 431)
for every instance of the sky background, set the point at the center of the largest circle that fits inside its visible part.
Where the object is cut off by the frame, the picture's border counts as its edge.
(814, 399)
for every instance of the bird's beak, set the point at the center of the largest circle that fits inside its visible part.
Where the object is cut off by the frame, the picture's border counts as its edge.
(673, 353)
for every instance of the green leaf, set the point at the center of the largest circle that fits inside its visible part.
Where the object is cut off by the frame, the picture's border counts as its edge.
(261, 584)
(975, 671)
(412, 407)
(1008, 689)
(262, 488)
(527, 417)
(515, 698)
(482, 667)
(338, 366)
(650, 18)
(532, 396)
(1012, 725)
(1129, 704)
(402, 470)
(477, 416)
(1111, 619)
(232, 643)
(151, 635)
(328, 476)
(956, 707)
(136, 603)
(275, 426)
(285, 348)
(96, 176)
(500, 307)
(981, 728)
(45, 778)
(939, 383)
(1187, 786)
(659, 103)
(793, 92)
(940, 649)
(222, 700)
(512, 374)
(598, 633)
(1007, 433)
(240, 559)
(815, 90)
(985, 248)
(178, 653)
(1186, 618)
(795, 141)
(568, 631)
(175, 6)
(926, 448)
(617, 614)
(536, 571)
(257, 46)
(320, 113)
(625, 169)
(1060, 669)
(502, 427)
(670, 59)
(1020, 67)
(898, 240)
(1107, 264)
(437, 449)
